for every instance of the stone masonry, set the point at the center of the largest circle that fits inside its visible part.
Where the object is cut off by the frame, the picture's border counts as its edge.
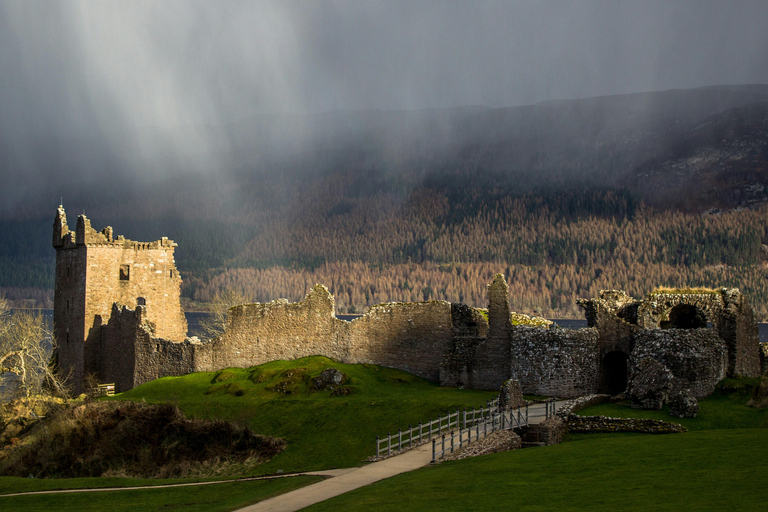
(93, 271)
(118, 317)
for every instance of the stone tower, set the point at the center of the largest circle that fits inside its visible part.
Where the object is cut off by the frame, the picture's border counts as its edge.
(94, 270)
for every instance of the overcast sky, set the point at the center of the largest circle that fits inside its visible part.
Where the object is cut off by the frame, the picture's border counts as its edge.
(80, 65)
(110, 69)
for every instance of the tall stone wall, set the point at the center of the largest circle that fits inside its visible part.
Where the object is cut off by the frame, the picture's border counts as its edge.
(555, 362)
(492, 364)
(258, 333)
(412, 337)
(409, 336)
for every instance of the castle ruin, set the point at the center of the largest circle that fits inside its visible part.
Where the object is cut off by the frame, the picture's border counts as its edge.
(94, 271)
(117, 316)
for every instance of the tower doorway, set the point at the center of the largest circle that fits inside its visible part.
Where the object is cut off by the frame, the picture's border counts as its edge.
(614, 372)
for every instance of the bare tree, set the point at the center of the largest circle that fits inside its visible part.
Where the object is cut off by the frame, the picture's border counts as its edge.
(26, 345)
(214, 325)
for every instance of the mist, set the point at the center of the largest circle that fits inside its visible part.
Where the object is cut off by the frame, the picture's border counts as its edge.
(123, 94)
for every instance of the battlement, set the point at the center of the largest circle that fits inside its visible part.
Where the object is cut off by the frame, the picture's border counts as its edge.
(85, 234)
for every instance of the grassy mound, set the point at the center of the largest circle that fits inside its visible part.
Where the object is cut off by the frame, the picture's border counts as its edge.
(326, 427)
(135, 440)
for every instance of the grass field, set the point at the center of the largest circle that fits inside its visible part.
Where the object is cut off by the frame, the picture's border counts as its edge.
(209, 498)
(705, 470)
(322, 431)
(718, 465)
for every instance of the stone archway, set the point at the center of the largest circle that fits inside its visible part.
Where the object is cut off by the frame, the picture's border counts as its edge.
(685, 316)
(614, 372)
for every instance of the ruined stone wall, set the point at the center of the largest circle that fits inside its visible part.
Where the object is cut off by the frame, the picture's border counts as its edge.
(412, 337)
(468, 330)
(491, 367)
(258, 333)
(555, 362)
(132, 355)
(655, 309)
(696, 357)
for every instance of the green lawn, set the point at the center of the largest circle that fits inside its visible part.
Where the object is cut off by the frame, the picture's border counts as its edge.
(718, 465)
(217, 497)
(704, 470)
(322, 431)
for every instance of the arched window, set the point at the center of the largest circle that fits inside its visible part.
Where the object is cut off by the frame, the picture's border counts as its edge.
(685, 316)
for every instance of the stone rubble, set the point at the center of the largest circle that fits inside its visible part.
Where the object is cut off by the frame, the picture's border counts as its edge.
(684, 405)
(501, 441)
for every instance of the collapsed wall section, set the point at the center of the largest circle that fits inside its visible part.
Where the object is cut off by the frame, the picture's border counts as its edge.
(554, 361)
(726, 311)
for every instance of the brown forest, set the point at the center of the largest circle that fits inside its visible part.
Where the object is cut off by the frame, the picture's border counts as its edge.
(552, 249)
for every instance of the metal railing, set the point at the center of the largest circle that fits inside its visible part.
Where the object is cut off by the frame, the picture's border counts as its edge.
(461, 427)
(497, 420)
(424, 431)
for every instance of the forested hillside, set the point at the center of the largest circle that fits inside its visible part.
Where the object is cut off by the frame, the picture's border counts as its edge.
(565, 198)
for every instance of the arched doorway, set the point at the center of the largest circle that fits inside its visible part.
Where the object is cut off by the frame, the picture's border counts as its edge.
(685, 316)
(614, 372)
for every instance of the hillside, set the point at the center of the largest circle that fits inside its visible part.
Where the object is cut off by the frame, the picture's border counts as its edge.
(565, 197)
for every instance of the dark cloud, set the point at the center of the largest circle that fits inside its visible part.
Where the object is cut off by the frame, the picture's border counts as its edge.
(148, 84)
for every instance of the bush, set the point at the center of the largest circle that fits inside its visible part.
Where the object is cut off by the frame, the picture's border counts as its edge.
(135, 440)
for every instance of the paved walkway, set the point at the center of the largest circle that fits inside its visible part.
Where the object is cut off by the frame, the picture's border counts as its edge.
(360, 477)
(340, 481)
